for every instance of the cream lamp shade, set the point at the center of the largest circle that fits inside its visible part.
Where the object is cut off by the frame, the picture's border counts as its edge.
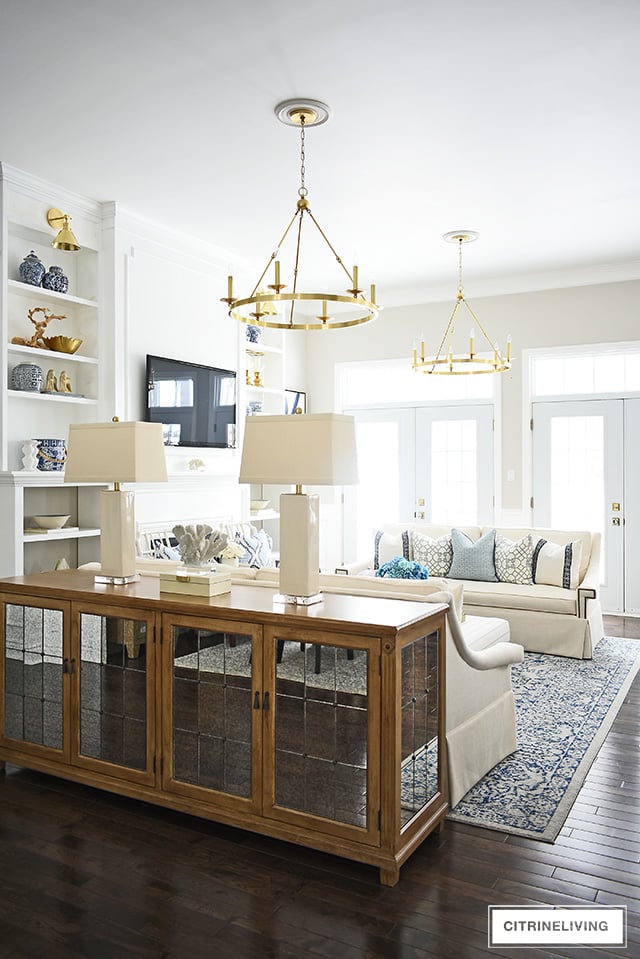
(127, 452)
(316, 449)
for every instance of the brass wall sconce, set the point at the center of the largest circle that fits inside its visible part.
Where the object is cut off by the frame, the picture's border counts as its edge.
(65, 240)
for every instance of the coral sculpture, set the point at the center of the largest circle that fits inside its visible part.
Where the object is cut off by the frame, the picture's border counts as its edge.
(199, 544)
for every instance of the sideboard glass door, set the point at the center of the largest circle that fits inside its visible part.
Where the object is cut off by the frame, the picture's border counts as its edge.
(323, 728)
(420, 757)
(213, 708)
(34, 663)
(115, 692)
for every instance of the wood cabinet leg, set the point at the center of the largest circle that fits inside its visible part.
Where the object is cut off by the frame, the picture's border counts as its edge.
(389, 876)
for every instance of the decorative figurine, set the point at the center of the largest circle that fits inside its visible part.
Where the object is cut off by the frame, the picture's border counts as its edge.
(199, 544)
(51, 385)
(37, 340)
(64, 383)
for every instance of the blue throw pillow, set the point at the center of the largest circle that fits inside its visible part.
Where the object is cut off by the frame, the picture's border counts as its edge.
(258, 549)
(473, 559)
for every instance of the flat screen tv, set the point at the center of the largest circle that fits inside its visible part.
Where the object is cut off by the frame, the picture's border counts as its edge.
(196, 404)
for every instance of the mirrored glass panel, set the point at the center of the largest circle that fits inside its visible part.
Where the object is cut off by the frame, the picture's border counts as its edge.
(212, 709)
(33, 675)
(321, 731)
(113, 698)
(419, 748)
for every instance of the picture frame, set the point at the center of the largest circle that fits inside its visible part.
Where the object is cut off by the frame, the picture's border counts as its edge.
(295, 401)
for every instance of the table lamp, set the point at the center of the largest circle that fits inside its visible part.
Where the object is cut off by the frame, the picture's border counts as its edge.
(316, 449)
(116, 453)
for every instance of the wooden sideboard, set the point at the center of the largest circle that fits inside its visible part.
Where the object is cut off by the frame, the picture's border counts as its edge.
(215, 706)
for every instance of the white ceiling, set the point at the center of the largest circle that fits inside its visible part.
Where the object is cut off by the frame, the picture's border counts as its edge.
(515, 119)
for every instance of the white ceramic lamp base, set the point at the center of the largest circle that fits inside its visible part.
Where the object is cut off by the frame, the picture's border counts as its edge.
(299, 548)
(118, 538)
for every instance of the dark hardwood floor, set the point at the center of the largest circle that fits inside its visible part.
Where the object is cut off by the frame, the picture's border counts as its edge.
(87, 874)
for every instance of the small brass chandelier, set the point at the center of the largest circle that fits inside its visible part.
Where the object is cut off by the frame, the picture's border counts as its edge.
(445, 360)
(301, 310)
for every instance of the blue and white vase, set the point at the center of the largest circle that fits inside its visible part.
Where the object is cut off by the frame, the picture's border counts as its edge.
(27, 377)
(253, 334)
(54, 279)
(52, 454)
(32, 269)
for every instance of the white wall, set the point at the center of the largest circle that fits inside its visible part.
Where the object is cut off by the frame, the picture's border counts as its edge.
(589, 314)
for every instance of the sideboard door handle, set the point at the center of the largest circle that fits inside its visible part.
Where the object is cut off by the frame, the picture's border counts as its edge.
(256, 700)
(265, 700)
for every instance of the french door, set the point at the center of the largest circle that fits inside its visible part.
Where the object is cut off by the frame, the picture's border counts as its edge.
(434, 464)
(585, 468)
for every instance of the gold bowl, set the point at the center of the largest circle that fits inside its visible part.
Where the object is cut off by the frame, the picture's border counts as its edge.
(62, 344)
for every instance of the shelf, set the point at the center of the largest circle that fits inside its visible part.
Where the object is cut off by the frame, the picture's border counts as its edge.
(28, 291)
(258, 349)
(70, 532)
(51, 397)
(50, 354)
(264, 389)
(265, 514)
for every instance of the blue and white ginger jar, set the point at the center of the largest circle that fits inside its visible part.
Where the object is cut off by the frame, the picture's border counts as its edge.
(27, 377)
(51, 454)
(54, 279)
(32, 269)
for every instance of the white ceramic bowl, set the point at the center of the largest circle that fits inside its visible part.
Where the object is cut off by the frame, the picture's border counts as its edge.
(51, 521)
(258, 504)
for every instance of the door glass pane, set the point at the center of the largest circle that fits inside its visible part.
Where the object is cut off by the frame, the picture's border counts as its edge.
(113, 697)
(378, 499)
(577, 472)
(419, 769)
(321, 731)
(33, 675)
(212, 739)
(454, 473)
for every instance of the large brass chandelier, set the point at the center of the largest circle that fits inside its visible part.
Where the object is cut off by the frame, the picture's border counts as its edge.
(491, 359)
(283, 306)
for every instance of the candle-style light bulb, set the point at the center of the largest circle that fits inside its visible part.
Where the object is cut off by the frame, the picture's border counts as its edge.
(373, 293)
(422, 347)
(277, 270)
(415, 355)
(230, 287)
(472, 335)
(509, 348)
(355, 277)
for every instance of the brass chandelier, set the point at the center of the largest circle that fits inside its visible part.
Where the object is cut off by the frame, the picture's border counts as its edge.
(445, 361)
(284, 306)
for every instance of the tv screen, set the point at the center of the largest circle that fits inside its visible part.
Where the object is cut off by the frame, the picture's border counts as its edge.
(196, 404)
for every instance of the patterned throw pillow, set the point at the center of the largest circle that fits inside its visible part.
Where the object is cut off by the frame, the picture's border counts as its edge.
(556, 565)
(435, 554)
(473, 559)
(514, 560)
(258, 549)
(388, 545)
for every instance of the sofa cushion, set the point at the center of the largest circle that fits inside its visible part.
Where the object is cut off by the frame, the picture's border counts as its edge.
(514, 559)
(388, 545)
(435, 554)
(473, 560)
(545, 599)
(557, 565)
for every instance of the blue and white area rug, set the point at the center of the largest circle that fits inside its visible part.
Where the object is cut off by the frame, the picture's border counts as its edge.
(564, 710)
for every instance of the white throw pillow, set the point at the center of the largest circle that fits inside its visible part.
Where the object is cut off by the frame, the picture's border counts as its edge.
(388, 545)
(514, 560)
(556, 565)
(435, 554)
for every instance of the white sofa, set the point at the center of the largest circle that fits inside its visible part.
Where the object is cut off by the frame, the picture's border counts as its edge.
(542, 617)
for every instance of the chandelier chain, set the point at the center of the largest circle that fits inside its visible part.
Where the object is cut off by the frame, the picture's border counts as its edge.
(460, 265)
(303, 190)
